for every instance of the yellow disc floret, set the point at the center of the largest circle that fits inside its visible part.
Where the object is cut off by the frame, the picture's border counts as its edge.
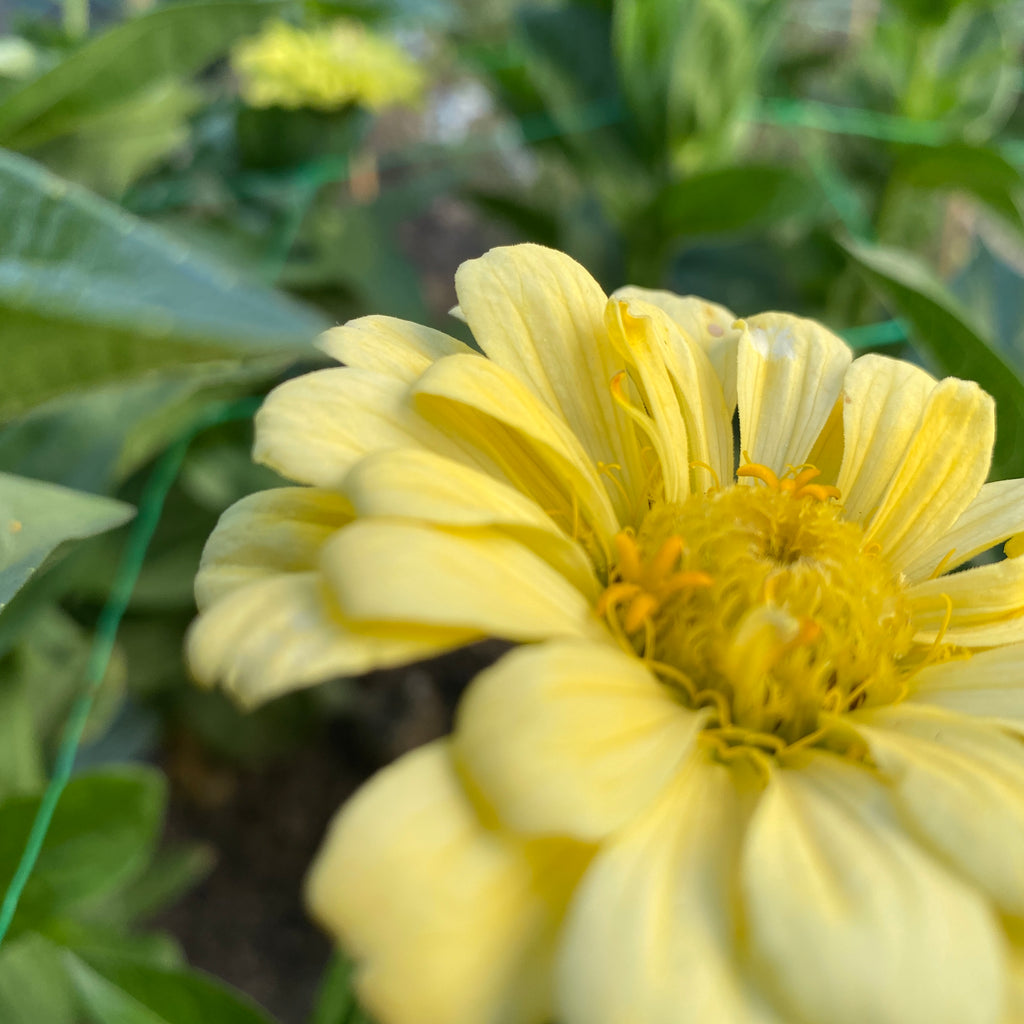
(761, 602)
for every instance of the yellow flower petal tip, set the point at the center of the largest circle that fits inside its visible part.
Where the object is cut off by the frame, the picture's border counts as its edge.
(757, 758)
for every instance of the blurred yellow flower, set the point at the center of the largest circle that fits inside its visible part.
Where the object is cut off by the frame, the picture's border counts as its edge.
(758, 758)
(324, 69)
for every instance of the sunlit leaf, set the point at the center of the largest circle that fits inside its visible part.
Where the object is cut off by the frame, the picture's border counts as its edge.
(90, 295)
(35, 517)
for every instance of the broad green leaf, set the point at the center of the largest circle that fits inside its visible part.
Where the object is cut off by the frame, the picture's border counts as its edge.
(172, 41)
(35, 517)
(49, 664)
(727, 200)
(102, 835)
(111, 151)
(978, 170)
(943, 330)
(119, 992)
(91, 295)
(34, 987)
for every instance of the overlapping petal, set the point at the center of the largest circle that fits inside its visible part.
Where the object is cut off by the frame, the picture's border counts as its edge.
(849, 921)
(995, 515)
(940, 473)
(973, 603)
(571, 739)
(652, 935)
(267, 533)
(479, 581)
(449, 921)
(960, 785)
(989, 684)
(789, 375)
(389, 346)
(301, 639)
(525, 441)
(540, 315)
(412, 484)
(682, 393)
(708, 324)
(883, 401)
(312, 429)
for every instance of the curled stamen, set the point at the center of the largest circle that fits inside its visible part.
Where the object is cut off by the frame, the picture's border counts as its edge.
(759, 472)
(697, 464)
(941, 567)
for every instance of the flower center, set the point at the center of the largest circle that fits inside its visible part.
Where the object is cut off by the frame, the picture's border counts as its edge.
(763, 604)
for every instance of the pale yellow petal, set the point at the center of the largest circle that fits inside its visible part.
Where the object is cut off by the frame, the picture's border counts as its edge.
(265, 534)
(704, 322)
(641, 340)
(571, 739)
(490, 407)
(988, 595)
(401, 572)
(284, 633)
(447, 921)
(789, 375)
(989, 684)
(404, 483)
(959, 784)
(651, 937)
(387, 345)
(883, 400)
(939, 474)
(679, 380)
(540, 315)
(850, 920)
(995, 515)
(313, 428)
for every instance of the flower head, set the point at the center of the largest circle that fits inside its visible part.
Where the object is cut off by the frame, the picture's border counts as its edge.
(758, 755)
(325, 68)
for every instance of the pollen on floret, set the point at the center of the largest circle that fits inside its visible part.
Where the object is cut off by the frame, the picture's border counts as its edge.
(763, 604)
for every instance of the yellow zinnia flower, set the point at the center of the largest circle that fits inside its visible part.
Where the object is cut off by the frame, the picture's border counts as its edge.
(324, 69)
(758, 756)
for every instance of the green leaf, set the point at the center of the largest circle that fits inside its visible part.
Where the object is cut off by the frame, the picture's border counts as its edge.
(978, 170)
(49, 664)
(120, 992)
(102, 835)
(21, 755)
(336, 1001)
(173, 41)
(117, 147)
(34, 987)
(943, 330)
(173, 872)
(727, 200)
(91, 295)
(35, 517)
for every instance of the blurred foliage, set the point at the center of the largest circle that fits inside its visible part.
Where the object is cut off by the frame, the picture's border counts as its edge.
(165, 246)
